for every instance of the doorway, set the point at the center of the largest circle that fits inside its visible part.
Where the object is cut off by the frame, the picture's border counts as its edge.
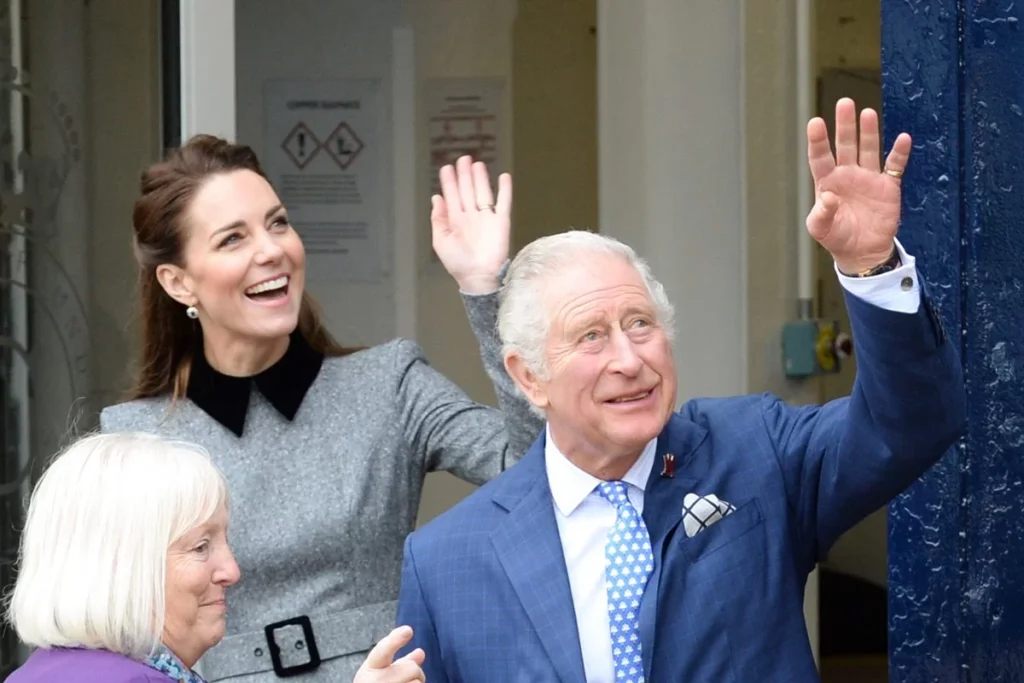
(853, 581)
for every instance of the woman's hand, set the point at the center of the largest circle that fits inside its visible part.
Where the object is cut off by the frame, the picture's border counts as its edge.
(379, 666)
(470, 229)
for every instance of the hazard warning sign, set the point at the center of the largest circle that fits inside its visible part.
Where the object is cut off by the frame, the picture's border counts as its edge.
(324, 143)
(301, 145)
(344, 145)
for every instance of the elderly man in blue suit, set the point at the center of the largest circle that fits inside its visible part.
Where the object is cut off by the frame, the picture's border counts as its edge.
(635, 543)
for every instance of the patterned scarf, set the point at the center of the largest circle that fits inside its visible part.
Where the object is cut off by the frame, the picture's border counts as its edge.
(164, 661)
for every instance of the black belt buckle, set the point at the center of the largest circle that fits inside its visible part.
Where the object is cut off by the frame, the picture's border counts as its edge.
(275, 650)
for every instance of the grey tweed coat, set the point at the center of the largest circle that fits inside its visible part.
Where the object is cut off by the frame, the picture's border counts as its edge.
(321, 504)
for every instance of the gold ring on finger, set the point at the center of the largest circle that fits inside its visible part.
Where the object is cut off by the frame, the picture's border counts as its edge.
(485, 207)
(893, 172)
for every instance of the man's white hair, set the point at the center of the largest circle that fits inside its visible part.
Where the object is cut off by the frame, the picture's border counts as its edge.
(523, 321)
(94, 549)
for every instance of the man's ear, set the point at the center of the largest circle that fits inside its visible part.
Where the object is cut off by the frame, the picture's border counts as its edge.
(176, 283)
(526, 380)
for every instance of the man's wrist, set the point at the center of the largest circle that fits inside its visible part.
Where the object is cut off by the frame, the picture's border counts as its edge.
(869, 267)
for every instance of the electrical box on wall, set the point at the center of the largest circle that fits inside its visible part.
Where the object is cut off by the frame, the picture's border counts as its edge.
(813, 347)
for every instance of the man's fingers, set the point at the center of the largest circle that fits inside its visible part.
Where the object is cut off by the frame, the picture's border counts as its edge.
(846, 132)
(900, 154)
(418, 656)
(870, 145)
(384, 651)
(819, 220)
(402, 671)
(819, 151)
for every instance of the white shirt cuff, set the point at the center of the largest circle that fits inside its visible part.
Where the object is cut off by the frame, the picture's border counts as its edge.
(898, 290)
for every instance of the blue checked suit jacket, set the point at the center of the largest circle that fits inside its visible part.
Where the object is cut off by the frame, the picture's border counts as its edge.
(485, 585)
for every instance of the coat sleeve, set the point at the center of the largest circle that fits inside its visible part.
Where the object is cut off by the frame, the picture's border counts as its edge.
(449, 431)
(413, 611)
(846, 459)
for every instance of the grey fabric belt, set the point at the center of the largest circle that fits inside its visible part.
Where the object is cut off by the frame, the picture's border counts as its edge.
(336, 635)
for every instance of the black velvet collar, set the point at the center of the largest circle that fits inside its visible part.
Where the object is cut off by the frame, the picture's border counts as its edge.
(284, 384)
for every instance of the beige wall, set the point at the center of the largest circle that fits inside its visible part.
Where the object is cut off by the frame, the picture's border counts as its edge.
(124, 134)
(554, 108)
(848, 34)
(774, 220)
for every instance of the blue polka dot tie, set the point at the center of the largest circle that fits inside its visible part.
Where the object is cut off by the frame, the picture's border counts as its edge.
(628, 564)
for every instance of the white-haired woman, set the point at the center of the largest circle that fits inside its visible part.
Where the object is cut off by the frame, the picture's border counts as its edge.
(125, 568)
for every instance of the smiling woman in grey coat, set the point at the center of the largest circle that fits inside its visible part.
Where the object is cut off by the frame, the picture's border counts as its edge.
(324, 448)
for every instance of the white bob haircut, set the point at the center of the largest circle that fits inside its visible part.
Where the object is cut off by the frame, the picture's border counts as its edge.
(94, 549)
(523, 320)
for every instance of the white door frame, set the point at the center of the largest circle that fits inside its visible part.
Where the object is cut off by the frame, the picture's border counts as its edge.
(207, 43)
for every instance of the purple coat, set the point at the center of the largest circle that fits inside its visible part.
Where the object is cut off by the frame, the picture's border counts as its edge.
(66, 665)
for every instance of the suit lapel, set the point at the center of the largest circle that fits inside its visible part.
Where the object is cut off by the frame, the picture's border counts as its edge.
(530, 550)
(663, 510)
(663, 498)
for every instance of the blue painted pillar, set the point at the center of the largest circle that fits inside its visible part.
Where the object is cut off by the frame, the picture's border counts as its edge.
(953, 77)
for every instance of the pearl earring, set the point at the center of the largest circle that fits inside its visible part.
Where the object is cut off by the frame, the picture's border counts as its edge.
(192, 312)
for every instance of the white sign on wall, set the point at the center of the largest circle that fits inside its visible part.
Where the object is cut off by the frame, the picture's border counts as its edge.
(322, 152)
(463, 116)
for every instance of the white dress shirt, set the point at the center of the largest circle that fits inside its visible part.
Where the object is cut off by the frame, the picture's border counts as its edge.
(584, 517)
(898, 290)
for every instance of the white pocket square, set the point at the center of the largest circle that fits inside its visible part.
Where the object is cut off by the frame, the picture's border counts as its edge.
(700, 512)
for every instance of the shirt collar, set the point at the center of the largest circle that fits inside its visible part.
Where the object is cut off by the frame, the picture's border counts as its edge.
(284, 384)
(570, 485)
(167, 663)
